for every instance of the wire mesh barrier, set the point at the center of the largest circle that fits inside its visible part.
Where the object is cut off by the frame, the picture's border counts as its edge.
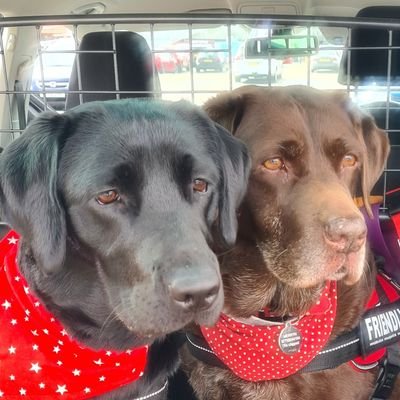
(55, 63)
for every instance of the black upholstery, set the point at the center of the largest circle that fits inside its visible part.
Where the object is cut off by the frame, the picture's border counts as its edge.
(368, 67)
(372, 65)
(378, 110)
(134, 61)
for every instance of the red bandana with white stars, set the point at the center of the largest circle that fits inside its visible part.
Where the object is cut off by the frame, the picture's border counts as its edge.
(252, 351)
(38, 360)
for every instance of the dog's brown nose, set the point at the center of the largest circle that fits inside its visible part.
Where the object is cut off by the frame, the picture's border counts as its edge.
(346, 234)
(193, 291)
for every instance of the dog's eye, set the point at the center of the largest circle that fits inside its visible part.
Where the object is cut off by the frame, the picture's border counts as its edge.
(108, 197)
(274, 164)
(199, 185)
(349, 160)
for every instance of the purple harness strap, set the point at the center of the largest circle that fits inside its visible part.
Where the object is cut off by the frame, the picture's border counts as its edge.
(382, 239)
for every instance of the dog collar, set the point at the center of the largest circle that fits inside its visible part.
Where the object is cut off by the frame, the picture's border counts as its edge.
(38, 359)
(254, 352)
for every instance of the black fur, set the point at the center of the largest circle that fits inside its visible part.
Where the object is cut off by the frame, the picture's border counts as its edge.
(105, 270)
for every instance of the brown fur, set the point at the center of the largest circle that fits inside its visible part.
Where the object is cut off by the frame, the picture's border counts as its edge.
(282, 257)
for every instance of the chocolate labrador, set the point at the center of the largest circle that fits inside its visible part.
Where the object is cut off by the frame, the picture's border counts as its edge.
(117, 205)
(300, 272)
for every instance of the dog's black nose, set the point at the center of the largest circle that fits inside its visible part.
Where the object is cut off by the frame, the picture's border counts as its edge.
(193, 290)
(346, 234)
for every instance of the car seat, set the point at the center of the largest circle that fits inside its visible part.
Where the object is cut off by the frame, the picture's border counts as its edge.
(369, 67)
(135, 68)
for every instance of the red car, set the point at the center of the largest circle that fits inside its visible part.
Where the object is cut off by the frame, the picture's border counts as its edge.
(167, 62)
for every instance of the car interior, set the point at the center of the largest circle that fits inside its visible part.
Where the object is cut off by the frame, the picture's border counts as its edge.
(126, 49)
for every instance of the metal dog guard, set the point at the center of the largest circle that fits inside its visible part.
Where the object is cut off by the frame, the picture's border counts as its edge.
(15, 31)
(383, 96)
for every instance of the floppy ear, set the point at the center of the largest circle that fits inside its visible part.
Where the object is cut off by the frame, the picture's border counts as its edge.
(235, 173)
(227, 109)
(377, 152)
(29, 199)
(234, 163)
(376, 145)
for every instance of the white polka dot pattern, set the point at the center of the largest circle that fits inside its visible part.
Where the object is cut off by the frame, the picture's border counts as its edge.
(252, 352)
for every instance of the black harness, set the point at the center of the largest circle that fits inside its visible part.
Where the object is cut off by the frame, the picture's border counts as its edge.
(379, 328)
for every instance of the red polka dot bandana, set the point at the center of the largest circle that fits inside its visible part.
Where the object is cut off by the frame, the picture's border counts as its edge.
(253, 352)
(38, 360)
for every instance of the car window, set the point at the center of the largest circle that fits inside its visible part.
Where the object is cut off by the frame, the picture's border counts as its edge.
(193, 59)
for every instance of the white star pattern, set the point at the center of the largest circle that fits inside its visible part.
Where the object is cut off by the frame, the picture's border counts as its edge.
(61, 389)
(6, 304)
(12, 240)
(29, 330)
(35, 367)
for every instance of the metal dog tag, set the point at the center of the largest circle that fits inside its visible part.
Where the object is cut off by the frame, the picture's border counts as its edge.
(289, 339)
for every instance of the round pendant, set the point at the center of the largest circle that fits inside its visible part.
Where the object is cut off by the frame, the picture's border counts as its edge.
(289, 339)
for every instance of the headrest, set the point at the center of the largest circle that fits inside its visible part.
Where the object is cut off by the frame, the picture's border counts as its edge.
(371, 66)
(134, 67)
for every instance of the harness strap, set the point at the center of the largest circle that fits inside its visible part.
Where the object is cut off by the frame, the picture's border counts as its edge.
(388, 372)
(341, 350)
(200, 349)
(379, 327)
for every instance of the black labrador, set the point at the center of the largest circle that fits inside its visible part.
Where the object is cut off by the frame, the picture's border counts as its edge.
(119, 205)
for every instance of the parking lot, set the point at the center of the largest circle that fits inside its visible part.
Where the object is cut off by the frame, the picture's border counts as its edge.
(176, 86)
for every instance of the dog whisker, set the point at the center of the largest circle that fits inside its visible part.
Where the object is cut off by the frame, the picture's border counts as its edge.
(280, 254)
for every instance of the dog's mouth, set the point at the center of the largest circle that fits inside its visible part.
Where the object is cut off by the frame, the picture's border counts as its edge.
(157, 319)
(348, 267)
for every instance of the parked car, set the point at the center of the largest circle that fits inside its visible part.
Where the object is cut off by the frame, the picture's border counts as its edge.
(167, 62)
(209, 61)
(258, 70)
(327, 59)
(57, 69)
